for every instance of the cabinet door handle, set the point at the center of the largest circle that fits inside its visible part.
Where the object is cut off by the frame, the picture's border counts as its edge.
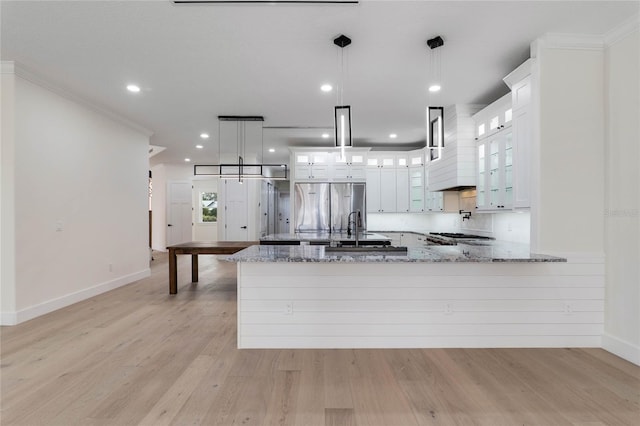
(243, 227)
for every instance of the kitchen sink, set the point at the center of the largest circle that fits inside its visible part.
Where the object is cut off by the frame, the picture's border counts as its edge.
(368, 250)
(373, 243)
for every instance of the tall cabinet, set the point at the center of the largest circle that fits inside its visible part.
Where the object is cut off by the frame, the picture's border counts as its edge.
(519, 81)
(494, 133)
(504, 137)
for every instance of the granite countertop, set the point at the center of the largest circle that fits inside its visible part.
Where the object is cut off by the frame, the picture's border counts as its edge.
(324, 236)
(491, 252)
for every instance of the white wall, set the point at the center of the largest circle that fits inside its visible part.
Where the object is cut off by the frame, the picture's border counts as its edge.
(512, 226)
(622, 217)
(416, 222)
(568, 217)
(80, 201)
(7, 195)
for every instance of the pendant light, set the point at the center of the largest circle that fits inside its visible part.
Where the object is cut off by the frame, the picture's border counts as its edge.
(435, 114)
(245, 142)
(342, 112)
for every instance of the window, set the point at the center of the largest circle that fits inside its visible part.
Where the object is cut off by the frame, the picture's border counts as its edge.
(209, 204)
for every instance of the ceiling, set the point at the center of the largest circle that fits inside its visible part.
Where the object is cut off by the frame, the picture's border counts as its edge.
(196, 62)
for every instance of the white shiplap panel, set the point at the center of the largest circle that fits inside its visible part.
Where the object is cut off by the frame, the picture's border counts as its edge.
(440, 316)
(422, 342)
(417, 293)
(261, 269)
(300, 281)
(420, 304)
(408, 306)
(422, 330)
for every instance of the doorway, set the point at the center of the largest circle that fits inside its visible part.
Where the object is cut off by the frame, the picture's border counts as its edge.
(179, 212)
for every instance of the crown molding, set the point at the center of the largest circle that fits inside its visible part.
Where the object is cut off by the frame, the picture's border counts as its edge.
(622, 31)
(572, 41)
(519, 73)
(9, 67)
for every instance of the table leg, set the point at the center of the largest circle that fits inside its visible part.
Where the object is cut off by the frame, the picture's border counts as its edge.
(194, 268)
(173, 272)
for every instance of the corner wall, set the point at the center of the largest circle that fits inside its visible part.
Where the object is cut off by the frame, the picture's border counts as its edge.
(80, 200)
(622, 208)
(567, 216)
(7, 195)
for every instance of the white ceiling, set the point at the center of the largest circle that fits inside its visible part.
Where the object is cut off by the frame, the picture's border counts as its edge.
(195, 62)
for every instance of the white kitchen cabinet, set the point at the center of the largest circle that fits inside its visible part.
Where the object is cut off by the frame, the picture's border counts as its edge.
(434, 201)
(416, 158)
(381, 190)
(504, 149)
(402, 190)
(381, 159)
(311, 165)
(493, 118)
(494, 190)
(416, 189)
(520, 83)
(351, 167)
(402, 160)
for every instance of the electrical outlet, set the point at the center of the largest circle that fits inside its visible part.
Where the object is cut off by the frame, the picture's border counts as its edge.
(448, 309)
(288, 310)
(509, 227)
(568, 309)
(111, 267)
(59, 226)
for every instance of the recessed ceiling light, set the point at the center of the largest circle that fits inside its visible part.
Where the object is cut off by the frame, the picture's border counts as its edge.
(204, 135)
(434, 88)
(187, 159)
(325, 135)
(133, 88)
(393, 136)
(272, 150)
(199, 146)
(326, 87)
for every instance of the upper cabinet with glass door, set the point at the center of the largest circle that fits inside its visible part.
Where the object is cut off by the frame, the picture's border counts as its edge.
(310, 165)
(351, 166)
(494, 186)
(493, 118)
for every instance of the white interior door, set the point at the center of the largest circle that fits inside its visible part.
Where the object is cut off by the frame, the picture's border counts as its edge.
(236, 211)
(179, 213)
(283, 213)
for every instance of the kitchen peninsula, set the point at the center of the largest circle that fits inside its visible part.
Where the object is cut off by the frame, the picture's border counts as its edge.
(491, 295)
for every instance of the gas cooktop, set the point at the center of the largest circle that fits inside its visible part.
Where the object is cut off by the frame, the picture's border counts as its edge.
(460, 236)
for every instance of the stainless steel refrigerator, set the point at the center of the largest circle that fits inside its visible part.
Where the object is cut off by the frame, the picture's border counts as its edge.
(325, 207)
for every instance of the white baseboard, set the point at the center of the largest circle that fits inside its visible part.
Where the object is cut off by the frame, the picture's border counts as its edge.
(8, 318)
(622, 348)
(13, 318)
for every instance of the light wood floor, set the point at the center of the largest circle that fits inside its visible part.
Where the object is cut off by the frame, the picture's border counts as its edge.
(136, 355)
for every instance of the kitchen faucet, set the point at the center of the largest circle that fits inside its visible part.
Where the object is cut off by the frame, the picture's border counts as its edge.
(356, 222)
(465, 215)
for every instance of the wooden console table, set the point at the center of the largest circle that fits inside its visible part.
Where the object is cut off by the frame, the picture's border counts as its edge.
(195, 248)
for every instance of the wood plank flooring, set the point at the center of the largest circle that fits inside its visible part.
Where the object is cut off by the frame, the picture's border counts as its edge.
(137, 355)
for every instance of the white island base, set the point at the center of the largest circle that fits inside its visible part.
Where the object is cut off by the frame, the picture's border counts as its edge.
(419, 305)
